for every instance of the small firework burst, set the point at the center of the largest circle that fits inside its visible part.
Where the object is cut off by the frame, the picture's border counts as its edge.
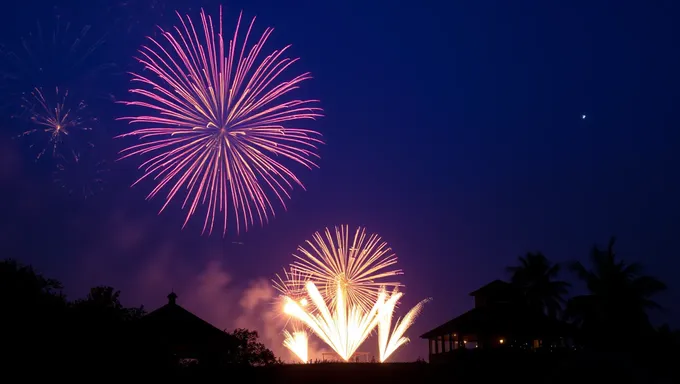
(56, 122)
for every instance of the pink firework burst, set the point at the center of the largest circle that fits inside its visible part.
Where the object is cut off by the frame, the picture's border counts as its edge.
(219, 130)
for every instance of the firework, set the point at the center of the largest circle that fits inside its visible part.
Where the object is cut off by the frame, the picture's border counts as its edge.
(217, 129)
(291, 284)
(390, 342)
(54, 121)
(345, 328)
(337, 289)
(297, 342)
(359, 267)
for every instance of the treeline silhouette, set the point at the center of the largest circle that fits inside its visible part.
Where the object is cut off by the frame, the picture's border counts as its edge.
(611, 320)
(41, 328)
(614, 339)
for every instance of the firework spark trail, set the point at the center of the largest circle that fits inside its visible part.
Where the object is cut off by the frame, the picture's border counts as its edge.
(291, 284)
(360, 267)
(56, 120)
(390, 342)
(344, 329)
(219, 125)
(298, 343)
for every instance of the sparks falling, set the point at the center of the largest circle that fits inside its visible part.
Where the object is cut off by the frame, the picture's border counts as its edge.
(217, 129)
(359, 267)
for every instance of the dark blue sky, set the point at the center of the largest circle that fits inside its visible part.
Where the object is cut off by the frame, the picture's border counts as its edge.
(453, 130)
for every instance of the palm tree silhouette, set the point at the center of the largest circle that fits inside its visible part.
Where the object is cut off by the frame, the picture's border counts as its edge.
(536, 277)
(618, 299)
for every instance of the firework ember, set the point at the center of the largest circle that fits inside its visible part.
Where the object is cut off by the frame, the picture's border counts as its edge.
(218, 130)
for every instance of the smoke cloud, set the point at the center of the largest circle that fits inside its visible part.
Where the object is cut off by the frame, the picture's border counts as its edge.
(214, 296)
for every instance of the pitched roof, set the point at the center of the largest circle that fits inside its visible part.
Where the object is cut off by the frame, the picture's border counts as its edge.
(174, 325)
(492, 287)
(499, 319)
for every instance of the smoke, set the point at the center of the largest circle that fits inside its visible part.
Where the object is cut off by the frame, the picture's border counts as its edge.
(143, 255)
(213, 295)
(258, 311)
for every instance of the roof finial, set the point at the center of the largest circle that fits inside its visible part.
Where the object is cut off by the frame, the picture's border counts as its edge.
(172, 297)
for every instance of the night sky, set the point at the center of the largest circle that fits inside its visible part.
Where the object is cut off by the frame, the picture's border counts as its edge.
(453, 129)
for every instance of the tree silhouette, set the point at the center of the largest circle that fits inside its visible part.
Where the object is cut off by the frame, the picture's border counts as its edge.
(536, 278)
(33, 307)
(100, 328)
(104, 301)
(618, 300)
(21, 285)
(96, 332)
(249, 351)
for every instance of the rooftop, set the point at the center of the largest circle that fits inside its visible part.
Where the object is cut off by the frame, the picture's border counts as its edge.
(173, 324)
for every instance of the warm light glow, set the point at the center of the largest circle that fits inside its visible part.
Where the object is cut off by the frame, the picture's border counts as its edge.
(292, 284)
(347, 326)
(297, 342)
(343, 298)
(344, 329)
(501, 341)
(214, 126)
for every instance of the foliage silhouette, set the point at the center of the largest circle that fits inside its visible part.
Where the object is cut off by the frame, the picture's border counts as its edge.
(536, 276)
(617, 303)
(251, 352)
(97, 331)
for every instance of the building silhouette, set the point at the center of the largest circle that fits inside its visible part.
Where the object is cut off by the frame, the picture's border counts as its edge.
(174, 334)
(499, 319)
